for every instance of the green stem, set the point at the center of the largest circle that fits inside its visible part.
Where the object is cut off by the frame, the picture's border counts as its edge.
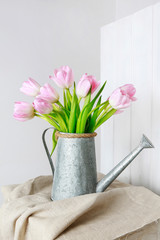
(69, 94)
(79, 100)
(109, 107)
(97, 107)
(64, 99)
(105, 106)
(105, 118)
(48, 119)
(59, 104)
(102, 115)
(87, 99)
(59, 118)
(55, 108)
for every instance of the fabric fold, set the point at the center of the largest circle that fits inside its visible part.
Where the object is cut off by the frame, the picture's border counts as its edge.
(122, 210)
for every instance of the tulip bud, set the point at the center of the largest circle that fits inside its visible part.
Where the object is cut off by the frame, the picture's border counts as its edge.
(48, 93)
(85, 83)
(30, 87)
(23, 111)
(63, 77)
(129, 90)
(42, 106)
(83, 88)
(122, 96)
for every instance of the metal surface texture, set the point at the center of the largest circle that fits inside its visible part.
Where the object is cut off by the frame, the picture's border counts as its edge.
(46, 149)
(75, 171)
(115, 172)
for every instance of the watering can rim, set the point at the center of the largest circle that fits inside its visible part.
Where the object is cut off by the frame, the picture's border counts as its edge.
(75, 135)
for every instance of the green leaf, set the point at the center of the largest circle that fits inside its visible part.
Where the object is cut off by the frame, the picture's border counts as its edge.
(77, 110)
(105, 118)
(59, 117)
(87, 101)
(94, 116)
(64, 99)
(54, 141)
(104, 107)
(69, 99)
(51, 121)
(97, 95)
(87, 98)
(84, 113)
(73, 117)
(62, 110)
(87, 124)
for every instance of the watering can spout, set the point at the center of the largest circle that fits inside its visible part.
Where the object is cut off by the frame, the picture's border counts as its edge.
(114, 173)
(145, 142)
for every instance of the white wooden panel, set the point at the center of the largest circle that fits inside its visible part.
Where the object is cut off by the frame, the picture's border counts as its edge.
(155, 161)
(108, 71)
(142, 78)
(135, 59)
(123, 76)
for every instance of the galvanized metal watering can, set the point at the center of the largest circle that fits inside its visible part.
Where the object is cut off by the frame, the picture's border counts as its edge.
(75, 172)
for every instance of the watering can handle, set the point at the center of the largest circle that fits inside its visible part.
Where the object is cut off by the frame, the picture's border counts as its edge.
(46, 149)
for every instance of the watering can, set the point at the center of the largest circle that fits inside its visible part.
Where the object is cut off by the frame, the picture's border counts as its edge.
(75, 172)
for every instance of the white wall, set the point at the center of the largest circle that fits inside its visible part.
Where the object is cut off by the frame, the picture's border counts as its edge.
(37, 36)
(128, 7)
(130, 53)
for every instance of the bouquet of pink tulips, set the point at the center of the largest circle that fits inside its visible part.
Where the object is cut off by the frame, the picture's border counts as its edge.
(69, 117)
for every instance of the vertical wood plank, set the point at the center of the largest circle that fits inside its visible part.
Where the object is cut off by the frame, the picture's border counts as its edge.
(108, 67)
(155, 159)
(123, 76)
(142, 77)
(131, 53)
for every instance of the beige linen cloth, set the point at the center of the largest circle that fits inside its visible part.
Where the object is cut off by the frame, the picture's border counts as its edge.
(121, 212)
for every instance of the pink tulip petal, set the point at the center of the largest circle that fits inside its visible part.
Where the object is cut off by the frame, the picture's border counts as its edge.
(85, 83)
(42, 106)
(48, 93)
(119, 111)
(122, 96)
(30, 87)
(133, 99)
(94, 84)
(128, 89)
(59, 82)
(63, 77)
(83, 88)
(23, 111)
(69, 79)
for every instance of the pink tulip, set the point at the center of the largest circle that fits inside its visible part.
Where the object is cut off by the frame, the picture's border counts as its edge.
(42, 106)
(118, 111)
(23, 111)
(48, 93)
(129, 90)
(63, 77)
(83, 88)
(122, 96)
(85, 83)
(30, 87)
